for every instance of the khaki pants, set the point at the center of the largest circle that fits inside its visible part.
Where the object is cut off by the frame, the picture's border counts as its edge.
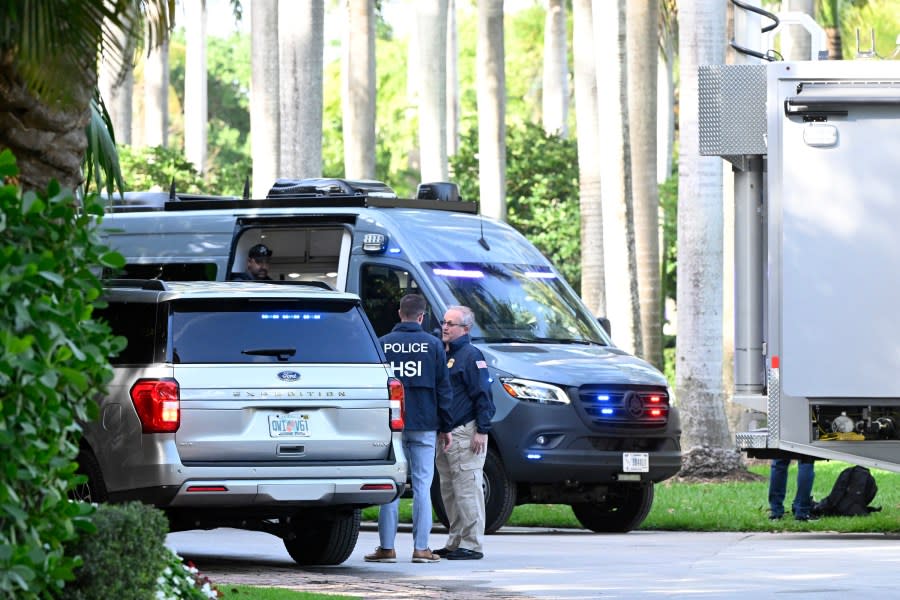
(461, 473)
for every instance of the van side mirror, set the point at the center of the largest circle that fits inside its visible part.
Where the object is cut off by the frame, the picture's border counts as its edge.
(604, 323)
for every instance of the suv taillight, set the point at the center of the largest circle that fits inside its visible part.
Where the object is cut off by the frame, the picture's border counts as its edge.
(396, 395)
(157, 404)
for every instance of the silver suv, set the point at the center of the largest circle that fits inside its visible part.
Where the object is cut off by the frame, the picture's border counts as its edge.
(258, 406)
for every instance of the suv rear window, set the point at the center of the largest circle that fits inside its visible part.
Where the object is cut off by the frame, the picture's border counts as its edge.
(270, 331)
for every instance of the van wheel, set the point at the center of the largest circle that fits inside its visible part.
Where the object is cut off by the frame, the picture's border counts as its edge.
(94, 489)
(499, 495)
(625, 508)
(323, 539)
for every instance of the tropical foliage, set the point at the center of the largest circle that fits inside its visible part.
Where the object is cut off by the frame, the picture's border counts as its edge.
(53, 362)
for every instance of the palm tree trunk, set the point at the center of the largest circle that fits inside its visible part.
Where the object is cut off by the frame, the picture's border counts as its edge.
(431, 21)
(156, 96)
(195, 99)
(641, 20)
(555, 89)
(593, 286)
(452, 81)
(48, 141)
(491, 93)
(358, 94)
(700, 241)
(615, 177)
(117, 84)
(301, 46)
(264, 96)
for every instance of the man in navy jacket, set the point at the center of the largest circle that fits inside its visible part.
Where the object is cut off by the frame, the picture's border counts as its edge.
(461, 465)
(418, 359)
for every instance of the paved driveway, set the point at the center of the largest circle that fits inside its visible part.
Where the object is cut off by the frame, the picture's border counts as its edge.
(528, 563)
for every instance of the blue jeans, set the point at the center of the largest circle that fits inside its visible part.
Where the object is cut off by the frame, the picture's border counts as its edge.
(419, 449)
(778, 487)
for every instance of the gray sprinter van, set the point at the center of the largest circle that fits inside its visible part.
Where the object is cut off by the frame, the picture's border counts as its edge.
(578, 421)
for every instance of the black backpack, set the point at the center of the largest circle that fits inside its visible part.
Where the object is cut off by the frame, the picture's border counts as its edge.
(853, 490)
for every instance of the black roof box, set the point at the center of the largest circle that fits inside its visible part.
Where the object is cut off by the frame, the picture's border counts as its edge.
(319, 187)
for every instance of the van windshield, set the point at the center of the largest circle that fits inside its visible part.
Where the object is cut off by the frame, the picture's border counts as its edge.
(516, 303)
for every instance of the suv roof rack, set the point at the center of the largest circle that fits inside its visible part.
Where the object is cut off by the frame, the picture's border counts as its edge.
(299, 193)
(140, 284)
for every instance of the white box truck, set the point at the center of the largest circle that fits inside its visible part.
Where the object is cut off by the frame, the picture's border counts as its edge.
(815, 149)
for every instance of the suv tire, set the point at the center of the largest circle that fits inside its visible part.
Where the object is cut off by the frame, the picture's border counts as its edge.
(625, 509)
(94, 489)
(499, 495)
(323, 541)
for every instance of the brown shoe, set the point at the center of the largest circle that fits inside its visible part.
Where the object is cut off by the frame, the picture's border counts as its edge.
(425, 556)
(382, 555)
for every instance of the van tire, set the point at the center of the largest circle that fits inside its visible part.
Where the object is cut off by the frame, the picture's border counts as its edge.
(624, 509)
(323, 541)
(499, 490)
(94, 489)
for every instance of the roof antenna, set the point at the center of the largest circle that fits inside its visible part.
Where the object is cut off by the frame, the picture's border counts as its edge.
(247, 187)
(172, 196)
(481, 240)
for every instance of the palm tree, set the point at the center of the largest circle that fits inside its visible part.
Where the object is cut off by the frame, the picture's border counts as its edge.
(593, 286)
(431, 29)
(195, 99)
(698, 374)
(555, 89)
(300, 55)
(491, 94)
(156, 96)
(358, 93)
(264, 95)
(117, 81)
(615, 177)
(452, 81)
(641, 40)
(829, 12)
(50, 76)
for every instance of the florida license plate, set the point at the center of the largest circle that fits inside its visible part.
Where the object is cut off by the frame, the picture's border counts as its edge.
(635, 462)
(289, 425)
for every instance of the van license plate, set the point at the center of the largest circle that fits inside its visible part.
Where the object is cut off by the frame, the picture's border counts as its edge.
(635, 462)
(289, 425)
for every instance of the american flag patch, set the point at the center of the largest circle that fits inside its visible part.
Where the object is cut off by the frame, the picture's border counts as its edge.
(481, 364)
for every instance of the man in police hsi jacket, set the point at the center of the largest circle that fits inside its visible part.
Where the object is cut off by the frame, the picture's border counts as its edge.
(418, 359)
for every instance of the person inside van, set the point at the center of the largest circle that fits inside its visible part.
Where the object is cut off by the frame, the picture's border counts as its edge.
(257, 265)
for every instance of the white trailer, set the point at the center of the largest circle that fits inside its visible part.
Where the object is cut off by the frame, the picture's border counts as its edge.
(815, 149)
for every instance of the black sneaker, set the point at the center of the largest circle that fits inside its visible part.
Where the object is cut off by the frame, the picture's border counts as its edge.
(774, 517)
(464, 554)
(806, 518)
(442, 552)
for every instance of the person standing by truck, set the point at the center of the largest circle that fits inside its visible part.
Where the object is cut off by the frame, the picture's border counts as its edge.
(803, 502)
(418, 359)
(461, 465)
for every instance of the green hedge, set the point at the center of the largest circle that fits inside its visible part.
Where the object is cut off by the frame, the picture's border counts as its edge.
(124, 557)
(53, 362)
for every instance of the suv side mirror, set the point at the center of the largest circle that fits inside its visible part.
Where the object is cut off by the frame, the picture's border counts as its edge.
(604, 323)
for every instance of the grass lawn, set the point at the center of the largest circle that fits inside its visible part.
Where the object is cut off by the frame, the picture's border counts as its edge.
(249, 592)
(725, 506)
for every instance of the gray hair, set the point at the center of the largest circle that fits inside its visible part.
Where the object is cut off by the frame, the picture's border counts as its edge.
(468, 317)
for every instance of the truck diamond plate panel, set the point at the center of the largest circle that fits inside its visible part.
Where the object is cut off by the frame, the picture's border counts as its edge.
(732, 118)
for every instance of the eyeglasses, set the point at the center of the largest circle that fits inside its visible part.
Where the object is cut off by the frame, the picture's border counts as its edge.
(452, 324)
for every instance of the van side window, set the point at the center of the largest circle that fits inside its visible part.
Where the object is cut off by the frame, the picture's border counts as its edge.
(166, 272)
(137, 323)
(381, 288)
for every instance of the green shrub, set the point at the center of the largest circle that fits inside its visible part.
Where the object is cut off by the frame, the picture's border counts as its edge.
(53, 362)
(124, 557)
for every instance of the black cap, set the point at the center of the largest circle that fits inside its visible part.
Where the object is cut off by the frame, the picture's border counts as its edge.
(259, 251)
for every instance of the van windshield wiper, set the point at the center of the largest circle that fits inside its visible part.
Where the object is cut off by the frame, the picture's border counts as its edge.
(281, 353)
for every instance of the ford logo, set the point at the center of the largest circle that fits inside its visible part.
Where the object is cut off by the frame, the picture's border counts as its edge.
(289, 376)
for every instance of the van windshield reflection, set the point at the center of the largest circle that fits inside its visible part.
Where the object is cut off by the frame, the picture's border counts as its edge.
(516, 303)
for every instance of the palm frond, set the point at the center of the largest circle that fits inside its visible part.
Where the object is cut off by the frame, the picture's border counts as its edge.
(101, 160)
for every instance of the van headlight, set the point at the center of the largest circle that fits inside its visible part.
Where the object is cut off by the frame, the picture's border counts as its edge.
(534, 391)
